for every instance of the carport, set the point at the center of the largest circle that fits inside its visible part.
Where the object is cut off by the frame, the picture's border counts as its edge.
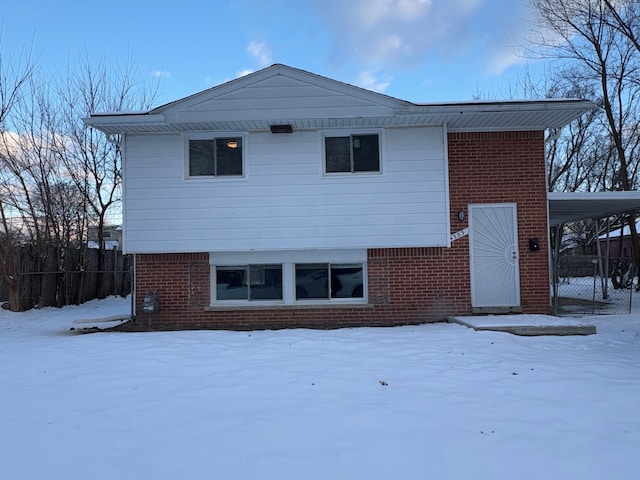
(568, 207)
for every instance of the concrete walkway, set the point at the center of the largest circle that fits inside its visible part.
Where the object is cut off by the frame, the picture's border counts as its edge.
(526, 324)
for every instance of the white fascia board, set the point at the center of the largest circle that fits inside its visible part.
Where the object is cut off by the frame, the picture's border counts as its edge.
(501, 106)
(108, 120)
(596, 196)
(577, 107)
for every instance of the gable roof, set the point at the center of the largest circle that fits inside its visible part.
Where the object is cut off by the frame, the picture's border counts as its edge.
(280, 94)
(282, 77)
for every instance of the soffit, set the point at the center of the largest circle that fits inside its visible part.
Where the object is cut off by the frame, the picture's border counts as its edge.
(574, 206)
(458, 117)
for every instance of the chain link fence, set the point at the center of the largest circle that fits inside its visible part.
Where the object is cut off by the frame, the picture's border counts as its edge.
(591, 285)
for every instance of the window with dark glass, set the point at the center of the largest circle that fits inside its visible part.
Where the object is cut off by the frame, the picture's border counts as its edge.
(351, 154)
(249, 282)
(328, 281)
(215, 157)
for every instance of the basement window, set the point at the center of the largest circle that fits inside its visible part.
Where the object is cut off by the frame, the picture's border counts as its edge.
(326, 281)
(249, 282)
(287, 278)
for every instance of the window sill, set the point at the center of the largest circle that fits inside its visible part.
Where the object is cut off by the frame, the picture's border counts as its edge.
(350, 174)
(288, 306)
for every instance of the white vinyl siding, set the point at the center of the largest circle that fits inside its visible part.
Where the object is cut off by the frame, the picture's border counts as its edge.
(284, 201)
(278, 97)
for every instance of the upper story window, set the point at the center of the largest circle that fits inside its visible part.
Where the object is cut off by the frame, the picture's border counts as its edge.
(215, 157)
(352, 153)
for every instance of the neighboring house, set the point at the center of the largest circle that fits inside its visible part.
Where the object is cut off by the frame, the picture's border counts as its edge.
(619, 242)
(111, 234)
(284, 198)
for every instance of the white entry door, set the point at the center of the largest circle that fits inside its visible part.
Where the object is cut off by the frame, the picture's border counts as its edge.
(493, 243)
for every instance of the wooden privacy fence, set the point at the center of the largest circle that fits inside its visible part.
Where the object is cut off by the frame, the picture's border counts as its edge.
(65, 276)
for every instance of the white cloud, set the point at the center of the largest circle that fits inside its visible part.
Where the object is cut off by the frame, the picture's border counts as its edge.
(368, 80)
(261, 55)
(503, 58)
(160, 74)
(260, 52)
(394, 32)
(10, 143)
(372, 13)
(386, 34)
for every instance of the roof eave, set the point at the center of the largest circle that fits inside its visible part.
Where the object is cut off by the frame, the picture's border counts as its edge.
(542, 114)
(459, 117)
(103, 121)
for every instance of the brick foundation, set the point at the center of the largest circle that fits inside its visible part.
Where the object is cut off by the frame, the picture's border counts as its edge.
(406, 285)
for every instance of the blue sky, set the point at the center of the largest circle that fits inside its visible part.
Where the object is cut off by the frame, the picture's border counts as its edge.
(417, 50)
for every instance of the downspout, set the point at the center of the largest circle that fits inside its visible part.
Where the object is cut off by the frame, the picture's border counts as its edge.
(445, 148)
(120, 142)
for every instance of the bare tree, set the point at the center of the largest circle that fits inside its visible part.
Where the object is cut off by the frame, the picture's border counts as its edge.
(596, 43)
(57, 176)
(624, 17)
(15, 73)
(573, 152)
(30, 186)
(92, 160)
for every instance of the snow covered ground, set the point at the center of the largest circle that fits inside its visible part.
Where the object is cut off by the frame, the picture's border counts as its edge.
(436, 401)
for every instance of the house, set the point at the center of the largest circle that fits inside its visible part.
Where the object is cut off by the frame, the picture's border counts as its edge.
(111, 236)
(617, 243)
(284, 198)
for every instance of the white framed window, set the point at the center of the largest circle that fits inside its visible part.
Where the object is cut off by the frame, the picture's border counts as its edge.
(352, 152)
(214, 155)
(289, 278)
(329, 281)
(248, 282)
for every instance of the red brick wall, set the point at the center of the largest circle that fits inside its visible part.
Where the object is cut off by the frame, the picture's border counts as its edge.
(406, 285)
(506, 167)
